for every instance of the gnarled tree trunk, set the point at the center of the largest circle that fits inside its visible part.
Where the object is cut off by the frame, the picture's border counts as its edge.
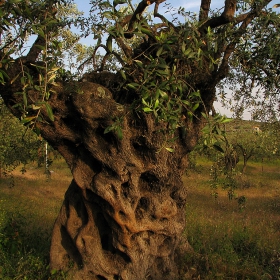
(123, 215)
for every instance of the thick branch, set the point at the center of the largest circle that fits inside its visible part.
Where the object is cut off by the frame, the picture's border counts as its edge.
(126, 49)
(226, 17)
(222, 71)
(35, 50)
(204, 10)
(137, 14)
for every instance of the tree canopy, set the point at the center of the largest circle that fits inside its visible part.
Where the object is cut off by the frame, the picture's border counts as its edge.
(233, 48)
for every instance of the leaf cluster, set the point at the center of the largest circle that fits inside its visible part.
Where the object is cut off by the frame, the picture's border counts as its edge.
(17, 144)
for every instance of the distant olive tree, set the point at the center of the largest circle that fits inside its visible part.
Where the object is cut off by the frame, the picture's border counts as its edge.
(17, 144)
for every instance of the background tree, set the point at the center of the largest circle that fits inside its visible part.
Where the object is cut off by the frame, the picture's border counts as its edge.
(17, 144)
(253, 140)
(125, 134)
(247, 141)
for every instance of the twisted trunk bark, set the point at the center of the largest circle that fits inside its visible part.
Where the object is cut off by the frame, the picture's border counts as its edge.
(123, 215)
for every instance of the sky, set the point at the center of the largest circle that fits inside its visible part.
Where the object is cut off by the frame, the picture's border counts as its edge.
(192, 6)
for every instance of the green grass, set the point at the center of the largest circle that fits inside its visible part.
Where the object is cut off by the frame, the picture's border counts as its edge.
(27, 214)
(228, 242)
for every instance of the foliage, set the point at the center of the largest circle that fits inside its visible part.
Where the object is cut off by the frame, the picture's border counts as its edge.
(18, 260)
(252, 84)
(226, 141)
(163, 64)
(20, 22)
(270, 135)
(17, 143)
(230, 243)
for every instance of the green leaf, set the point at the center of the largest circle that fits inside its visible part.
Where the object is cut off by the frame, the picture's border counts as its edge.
(108, 129)
(163, 94)
(159, 51)
(119, 133)
(218, 148)
(107, 14)
(144, 102)
(186, 52)
(186, 102)
(156, 104)
(183, 47)
(204, 115)
(226, 120)
(133, 85)
(51, 78)
(3, 74)
(147, 110)
(169, 149)
(24, 97)
(123, 74)
(147, 31)
(53, 271)
(41, 32)
(38, 88)
(35, 107)
(139, 63)
(49, 111)
(162, 72)
(195, 106)
(27, 120)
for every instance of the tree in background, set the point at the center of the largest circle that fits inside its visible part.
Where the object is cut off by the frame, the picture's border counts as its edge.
(126, 132)
(17, 144)
(253, 140)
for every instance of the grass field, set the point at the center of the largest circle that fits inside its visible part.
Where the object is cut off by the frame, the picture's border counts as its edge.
(229, 241)
(233, 242)
(27, 214)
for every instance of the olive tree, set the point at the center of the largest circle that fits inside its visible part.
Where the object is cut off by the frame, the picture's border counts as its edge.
(17, 144)
(126, 131)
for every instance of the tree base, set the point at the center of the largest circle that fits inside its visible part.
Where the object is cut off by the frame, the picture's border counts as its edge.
(88, 244)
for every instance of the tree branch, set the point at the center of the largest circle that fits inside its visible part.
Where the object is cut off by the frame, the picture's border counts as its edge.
(34, 51)
(137, 13)
(108, 52)
(157, 14)
(204, 9)
(229, 49)
(226, 17)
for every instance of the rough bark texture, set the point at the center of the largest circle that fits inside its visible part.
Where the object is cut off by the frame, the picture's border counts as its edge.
(123, 215)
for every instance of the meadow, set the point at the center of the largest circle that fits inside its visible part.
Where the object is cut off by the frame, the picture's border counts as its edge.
(231, 238)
